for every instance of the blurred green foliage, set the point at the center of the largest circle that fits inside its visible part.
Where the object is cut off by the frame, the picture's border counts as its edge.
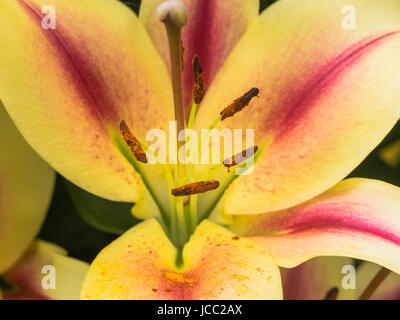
(84, 224)
(104, 215)
(65, 227)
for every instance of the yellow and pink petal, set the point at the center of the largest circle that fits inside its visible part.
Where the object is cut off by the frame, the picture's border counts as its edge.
(45, 272)
(213, 29)
(141, 264)
(26, 188)
(357, 218)
(64, 87)
(328, 96)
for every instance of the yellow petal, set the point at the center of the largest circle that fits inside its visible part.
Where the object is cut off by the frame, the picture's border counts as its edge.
(45, 272)
(328, 95)
(216, 265)
(26, 187)
(64, 86)
(212, 31)
(357, 218)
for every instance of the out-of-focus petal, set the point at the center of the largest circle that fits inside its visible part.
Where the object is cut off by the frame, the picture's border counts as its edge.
(389, 289)
(26, 187)
(313, 279)
(45, 272)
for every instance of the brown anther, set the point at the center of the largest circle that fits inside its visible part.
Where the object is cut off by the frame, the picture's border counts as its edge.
(183, 53)
(198, 80)
(195, 188)
(132, 142)
(239, 103)
(240, 157)
(235, 238)
(332, 294)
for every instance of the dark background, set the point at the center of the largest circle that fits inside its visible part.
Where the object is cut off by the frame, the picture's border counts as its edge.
(84, 224)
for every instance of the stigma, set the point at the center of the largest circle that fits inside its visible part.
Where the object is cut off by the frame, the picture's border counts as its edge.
(174, 11)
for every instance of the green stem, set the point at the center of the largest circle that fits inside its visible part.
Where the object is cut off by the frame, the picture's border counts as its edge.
(193, 212)
(192, 115)
(183, 232)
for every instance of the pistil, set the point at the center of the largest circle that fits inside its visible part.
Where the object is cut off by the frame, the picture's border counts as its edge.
(174, 16)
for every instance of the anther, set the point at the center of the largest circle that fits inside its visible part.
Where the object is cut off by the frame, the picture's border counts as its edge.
(182, 54)
(198, 80)
(239, 103)
(195, 188)
(332, 294)
(240, 157)
(132, 142)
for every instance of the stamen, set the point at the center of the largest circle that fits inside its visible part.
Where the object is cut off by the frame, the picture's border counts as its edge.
(375, 283)
(132, 142)
(198, 80)
(195, 188)
(182, 54)
(332, 294)
(239, 104)
(240, 157)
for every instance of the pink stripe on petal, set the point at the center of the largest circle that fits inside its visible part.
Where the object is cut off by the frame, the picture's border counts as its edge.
(327, 97)
(358, 218)
(329, 75)
(83, 75)
(213, 29)
(64, 87)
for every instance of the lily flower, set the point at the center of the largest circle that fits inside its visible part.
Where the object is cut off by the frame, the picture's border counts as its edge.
(26, 184)
(325, 93)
